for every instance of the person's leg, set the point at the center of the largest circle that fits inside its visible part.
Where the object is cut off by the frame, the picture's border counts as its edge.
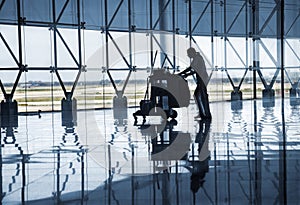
(204, 100)
(197, 96)
(205, 103)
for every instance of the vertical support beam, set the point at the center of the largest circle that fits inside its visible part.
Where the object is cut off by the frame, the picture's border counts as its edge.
(255, 38)
(247, 36)
(55, 45)
(20, 33)
(258, 160)
(212, 33)
(163, 25)
(280, 43)
(190, 21)
(282, 147)
(79, 27)
(174, 35)
(54, 33)
(225, 34)
(130, 35)
(130, 66)
(20, 64)
(151, 36)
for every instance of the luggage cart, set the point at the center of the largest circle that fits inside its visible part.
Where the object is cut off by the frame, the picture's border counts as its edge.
(167, 91)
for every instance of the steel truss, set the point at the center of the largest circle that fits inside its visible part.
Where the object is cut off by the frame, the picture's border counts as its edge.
(54, 27)
(247, 12)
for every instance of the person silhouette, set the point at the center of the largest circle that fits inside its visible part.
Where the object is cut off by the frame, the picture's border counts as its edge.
(198, 68)
(201, 166)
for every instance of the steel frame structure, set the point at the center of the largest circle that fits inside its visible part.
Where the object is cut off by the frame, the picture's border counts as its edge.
(54, 27)
(248, 12)
(197, 13)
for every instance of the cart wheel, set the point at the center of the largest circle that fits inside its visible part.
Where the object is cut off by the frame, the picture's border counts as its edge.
(173, 114)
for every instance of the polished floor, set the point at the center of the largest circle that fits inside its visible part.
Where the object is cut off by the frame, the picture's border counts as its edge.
(247, 154)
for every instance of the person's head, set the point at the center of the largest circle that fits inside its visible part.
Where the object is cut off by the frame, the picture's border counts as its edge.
(191, 52)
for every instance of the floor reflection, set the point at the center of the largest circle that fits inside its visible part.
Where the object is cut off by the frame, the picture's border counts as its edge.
(199, 164)
(245, 155)
(16, 158)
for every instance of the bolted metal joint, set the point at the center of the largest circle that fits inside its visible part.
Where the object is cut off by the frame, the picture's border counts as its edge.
(133, 28)
(82, 25)
(83, 68)
(24, 68)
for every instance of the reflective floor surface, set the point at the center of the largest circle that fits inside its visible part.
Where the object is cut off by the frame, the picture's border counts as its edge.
(249, 155)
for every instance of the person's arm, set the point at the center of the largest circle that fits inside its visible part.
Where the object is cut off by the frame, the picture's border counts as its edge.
(186, 72)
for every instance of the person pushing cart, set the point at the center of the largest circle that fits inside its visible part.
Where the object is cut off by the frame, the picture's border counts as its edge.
(198, 68)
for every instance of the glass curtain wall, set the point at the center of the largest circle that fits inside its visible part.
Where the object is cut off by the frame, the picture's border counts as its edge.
(97, 56)
(120, 42)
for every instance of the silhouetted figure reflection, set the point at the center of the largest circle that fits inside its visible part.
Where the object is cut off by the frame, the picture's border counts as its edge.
(120, 116)
(70, 145)
(14, 156)
(168, 144)
(120, 109)
(198, 68)
(201, 166)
